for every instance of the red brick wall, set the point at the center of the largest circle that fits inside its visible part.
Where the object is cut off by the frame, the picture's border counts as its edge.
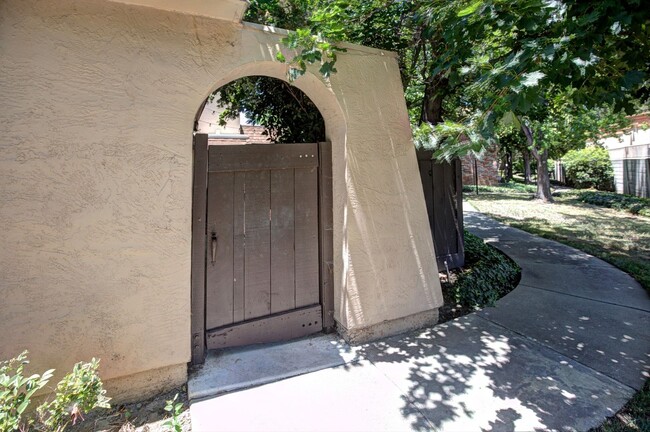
(488, 168)
(254, 133)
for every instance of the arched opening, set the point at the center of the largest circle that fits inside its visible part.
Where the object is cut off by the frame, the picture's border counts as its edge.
(264, 109)
(319, 92)
(262, 217)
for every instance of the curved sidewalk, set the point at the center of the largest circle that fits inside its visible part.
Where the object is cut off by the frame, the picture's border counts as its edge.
(567, 348)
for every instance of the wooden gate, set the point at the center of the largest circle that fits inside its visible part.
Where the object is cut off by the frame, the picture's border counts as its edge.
(266, 229)
(443, 194)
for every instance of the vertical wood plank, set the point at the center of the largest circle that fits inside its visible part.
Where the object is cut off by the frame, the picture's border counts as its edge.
(199, 198)
(219, 269)
(449, 222)
(306, 235)
(439, 198)
(282, 241)
(239, 241)
(426, 175)
(257, 297)
(326, 241)
(458, 178)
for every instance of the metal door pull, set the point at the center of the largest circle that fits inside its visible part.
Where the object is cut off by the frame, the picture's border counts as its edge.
(214, 247)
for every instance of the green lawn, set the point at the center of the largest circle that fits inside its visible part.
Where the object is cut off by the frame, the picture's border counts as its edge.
(616, 236)
(613, 235)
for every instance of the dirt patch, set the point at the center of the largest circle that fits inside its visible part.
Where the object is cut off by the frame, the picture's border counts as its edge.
(145, 416)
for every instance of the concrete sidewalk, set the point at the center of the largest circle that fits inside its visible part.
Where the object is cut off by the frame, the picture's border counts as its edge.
(564, 350)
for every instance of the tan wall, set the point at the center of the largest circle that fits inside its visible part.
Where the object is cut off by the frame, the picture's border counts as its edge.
(98, 103)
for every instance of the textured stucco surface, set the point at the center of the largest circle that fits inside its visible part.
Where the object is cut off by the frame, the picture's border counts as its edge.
(98, 102)
(146, 384)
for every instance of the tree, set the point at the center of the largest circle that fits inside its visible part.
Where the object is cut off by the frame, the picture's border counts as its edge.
(506, 61)
(469, 66)
(285, 112)
(533, 61)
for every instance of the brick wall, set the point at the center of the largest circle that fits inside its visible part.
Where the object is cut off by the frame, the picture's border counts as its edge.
(253, 134)
(488, 168)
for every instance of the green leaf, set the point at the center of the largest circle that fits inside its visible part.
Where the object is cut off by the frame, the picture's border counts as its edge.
(532, 79)
(470, 9)
(22, 406)
(326, 69)
(510, 119)
(280, 57)
(632, 78)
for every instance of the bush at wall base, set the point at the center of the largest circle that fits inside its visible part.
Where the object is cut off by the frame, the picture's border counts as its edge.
(76, 394)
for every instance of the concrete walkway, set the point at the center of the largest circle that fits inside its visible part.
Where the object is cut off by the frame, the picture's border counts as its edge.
(564, 350)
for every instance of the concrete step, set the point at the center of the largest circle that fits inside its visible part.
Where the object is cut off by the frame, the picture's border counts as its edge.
(239, 368)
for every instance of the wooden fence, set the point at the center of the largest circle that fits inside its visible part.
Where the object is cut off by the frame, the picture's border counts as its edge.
(443, 193)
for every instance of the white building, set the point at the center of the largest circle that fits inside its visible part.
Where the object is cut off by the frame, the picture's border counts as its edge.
(630, 155)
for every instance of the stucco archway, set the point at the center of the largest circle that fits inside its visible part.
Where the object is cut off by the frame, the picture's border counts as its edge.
(297, 289)
(317, 90)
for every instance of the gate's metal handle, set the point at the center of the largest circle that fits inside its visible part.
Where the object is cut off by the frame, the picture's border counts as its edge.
(214, 247)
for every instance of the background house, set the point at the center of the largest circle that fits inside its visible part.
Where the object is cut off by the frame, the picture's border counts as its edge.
(630, 155)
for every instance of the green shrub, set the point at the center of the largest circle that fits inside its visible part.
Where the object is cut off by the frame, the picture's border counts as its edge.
(77, 393)
(629, 203)
(589, 168)
(490, 274)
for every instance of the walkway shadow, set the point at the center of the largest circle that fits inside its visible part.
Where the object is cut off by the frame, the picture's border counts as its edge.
(470, 374)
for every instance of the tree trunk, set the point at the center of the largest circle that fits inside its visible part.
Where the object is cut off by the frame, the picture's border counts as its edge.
(432, 102)
(543, 180)
(526, 155)
(508, 166)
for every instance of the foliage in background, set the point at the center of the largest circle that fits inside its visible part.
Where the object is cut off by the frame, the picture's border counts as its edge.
(542, 67)
(590, 167)
(488, 276)
(285, 112)
(629, 203)
(77, 393)
(287, 14)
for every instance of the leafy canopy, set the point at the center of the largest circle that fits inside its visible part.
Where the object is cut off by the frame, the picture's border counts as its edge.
(286, 113)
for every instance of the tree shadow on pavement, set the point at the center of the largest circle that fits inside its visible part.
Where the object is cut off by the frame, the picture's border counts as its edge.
(470, 374)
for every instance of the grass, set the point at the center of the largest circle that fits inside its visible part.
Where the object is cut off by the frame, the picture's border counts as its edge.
(506, 188)
(618, 237)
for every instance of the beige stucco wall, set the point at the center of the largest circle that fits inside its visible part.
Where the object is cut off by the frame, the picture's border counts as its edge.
(98, 102)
